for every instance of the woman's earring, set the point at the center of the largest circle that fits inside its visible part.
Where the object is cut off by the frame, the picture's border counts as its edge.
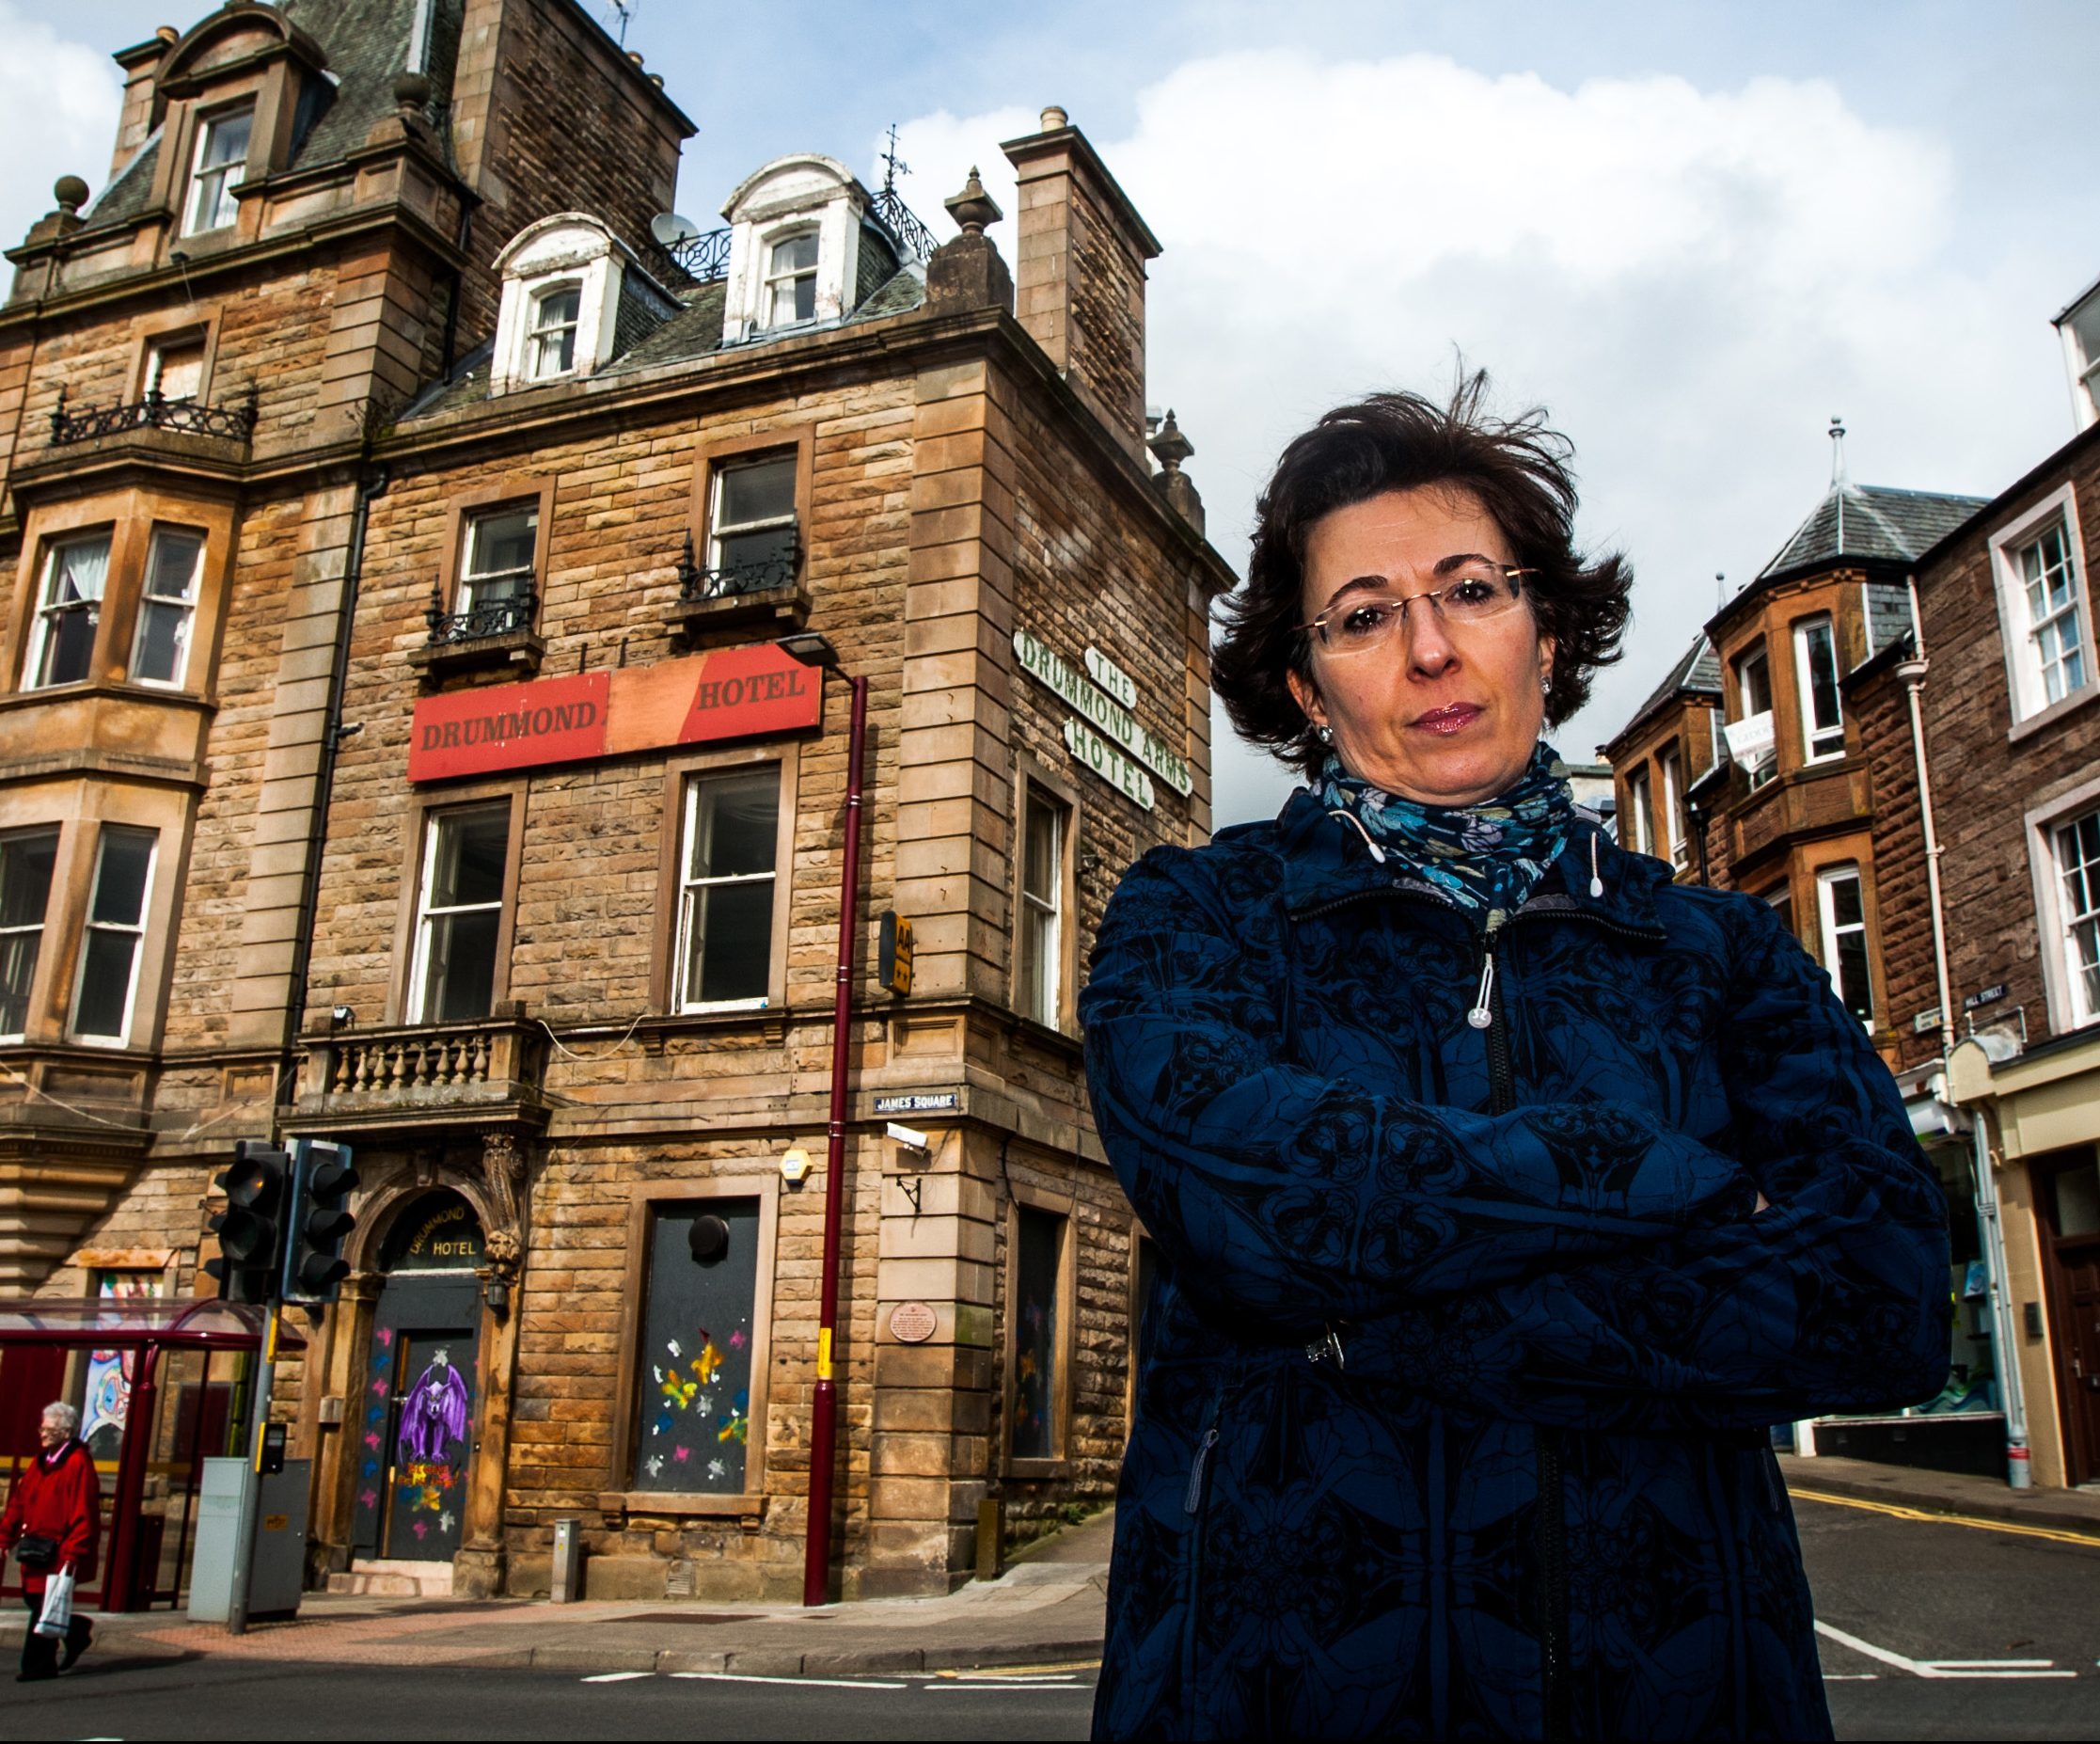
(1324, 734)
(1545, 684)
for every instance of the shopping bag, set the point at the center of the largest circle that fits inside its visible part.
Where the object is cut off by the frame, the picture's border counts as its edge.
(57, 1613)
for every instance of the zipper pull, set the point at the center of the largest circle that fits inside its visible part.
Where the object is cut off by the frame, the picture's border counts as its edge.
(1193, 1503)
(1482, 1013)
(1596, 880)
(1328, 1344)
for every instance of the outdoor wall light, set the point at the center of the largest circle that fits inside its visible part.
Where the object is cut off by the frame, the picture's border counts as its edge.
(811, 649)
(342, 1016)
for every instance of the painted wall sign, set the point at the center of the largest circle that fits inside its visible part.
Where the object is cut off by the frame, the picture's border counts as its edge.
(1092, 700)
(918, 1102)
(744, 693)
(1111, 765)
(1984, 996)
(913, 1323)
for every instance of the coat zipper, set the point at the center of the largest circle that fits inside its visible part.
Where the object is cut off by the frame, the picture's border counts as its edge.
(1192, 1504)
(1553, 1522)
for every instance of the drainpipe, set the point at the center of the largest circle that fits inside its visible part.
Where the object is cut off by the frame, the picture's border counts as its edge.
(2004, 1352)
(373, 487)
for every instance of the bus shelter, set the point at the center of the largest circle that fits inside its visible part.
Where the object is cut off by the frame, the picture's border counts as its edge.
(164, 1384)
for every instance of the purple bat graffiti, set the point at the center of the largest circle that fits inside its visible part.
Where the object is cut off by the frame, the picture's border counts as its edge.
(433, 1415)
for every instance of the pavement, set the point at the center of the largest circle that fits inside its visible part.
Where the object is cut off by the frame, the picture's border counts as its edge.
(1046, 1611)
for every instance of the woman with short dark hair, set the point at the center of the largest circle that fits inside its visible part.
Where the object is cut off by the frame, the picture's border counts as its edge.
(53, 1518)
(1506, 1191)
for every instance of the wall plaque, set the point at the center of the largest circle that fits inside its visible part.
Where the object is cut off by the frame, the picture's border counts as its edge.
(913, 1323)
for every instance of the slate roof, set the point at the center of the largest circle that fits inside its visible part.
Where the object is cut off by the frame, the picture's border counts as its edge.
(366, 43)
(1871, 522)
(694, 331)
(1698, 669)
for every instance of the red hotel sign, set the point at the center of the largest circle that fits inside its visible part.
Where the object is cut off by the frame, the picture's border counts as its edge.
(727, 693)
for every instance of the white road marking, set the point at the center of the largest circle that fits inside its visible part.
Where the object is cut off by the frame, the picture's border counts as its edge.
(617, 1678)
(800, 1683)
(1941, 1668)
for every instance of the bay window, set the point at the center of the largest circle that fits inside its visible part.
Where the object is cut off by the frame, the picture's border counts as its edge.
(1815, 665)
(1845, 954)
(26, 860)
(107, 989)
(168, 605)
(69, 605)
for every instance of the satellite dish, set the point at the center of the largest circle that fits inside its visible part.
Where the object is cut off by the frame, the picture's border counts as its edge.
(669, 230)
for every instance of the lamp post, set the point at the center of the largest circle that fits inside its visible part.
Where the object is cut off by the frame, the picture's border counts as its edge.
(814, 650)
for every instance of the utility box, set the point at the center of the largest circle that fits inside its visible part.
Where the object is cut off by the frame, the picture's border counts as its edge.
(565, 1582)
(280, 1540)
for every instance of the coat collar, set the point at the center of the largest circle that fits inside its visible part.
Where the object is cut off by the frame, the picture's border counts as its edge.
(1325, 860)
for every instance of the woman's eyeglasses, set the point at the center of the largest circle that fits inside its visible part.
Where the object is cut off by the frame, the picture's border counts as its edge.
(1474, 594)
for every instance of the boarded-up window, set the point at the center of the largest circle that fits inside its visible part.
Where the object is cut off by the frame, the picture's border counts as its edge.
(694, 1389)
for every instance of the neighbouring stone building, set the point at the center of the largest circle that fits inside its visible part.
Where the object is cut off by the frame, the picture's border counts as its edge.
(416, 733)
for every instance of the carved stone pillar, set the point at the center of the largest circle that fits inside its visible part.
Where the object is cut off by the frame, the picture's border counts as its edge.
(478, 1569)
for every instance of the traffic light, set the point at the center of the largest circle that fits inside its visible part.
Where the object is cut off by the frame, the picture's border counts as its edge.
(894, 953)
(251, 1227)
(323, 1181)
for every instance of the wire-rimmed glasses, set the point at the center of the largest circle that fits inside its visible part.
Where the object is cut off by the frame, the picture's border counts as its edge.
(1475, 592)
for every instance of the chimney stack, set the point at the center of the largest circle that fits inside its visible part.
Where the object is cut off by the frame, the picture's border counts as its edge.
(1080, 272)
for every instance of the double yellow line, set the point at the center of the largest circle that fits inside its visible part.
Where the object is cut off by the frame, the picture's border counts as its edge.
(1895, 1511)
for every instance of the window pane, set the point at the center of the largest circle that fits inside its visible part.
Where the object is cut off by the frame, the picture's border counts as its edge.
(472, 848)
(502, 540)
(171, 565)
(557, 308)
(1038, 996)
(754, 549)
(1821, 677)
(763, 492)
(1045, 827)
(797, 254)
(462, 965)
(1846, 908)
(2077, 1201)
(1040, 1238)
(225, 140)
(162, 637)
(105, 983)
(1755, 680)
(25, 866)
(79, 569)
(693, 1389)
(730, 946)
(1854, 984)
(738, 825)
(805, 298)
(70, 655)
(127, 855)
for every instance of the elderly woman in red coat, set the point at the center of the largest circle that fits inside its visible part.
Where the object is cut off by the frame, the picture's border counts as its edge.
(50, 1524)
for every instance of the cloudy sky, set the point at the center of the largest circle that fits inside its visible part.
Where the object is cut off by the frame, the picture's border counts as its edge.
(1693, 233)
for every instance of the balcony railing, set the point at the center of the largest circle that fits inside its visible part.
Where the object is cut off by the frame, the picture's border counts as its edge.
(426, 1073)
(731, 580)
(705, 257)
(235, 423)
(501, 616)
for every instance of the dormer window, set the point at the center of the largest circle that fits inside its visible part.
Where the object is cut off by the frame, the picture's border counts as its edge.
(222, 162)
(552, 349)
(791, 280)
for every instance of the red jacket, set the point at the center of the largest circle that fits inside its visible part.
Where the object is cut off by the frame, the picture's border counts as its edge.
(57, 1496)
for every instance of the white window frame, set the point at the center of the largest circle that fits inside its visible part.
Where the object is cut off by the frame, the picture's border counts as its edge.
(1639, 812)
(690, 886)
(24, 929)
(541, 335)
(1759, 655)
(472, 581)
(1828, 930)
(2053, 924)
(718, 528)
(1671, 761)
(1042, 919)
(419, 969)
(44, 628)
(220, 178)
(157, 350)
(135, 929)
(770, 280)
(1833, 735)
(187, 602)
(2031, 707)
(2083, 1008)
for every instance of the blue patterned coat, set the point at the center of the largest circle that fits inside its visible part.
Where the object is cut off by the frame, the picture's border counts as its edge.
(1454, 1391)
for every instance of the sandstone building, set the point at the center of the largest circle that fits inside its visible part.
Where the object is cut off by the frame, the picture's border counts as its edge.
(401, 743)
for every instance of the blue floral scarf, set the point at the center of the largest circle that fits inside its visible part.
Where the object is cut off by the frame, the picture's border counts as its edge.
(1486, 858)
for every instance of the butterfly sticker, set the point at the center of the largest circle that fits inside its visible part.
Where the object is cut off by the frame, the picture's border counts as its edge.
(680, 1454)
(708, 1364)
(679, 1393)
(737, 1339)
(716, 1471)
(368, 1498)
(654, 1465)
(671, 1345)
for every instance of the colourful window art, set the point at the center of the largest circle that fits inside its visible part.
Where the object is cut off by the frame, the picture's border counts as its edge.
(694, 1394)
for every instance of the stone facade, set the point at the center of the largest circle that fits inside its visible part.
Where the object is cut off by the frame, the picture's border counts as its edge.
(977, 534)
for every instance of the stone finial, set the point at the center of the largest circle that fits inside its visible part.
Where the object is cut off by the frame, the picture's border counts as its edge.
(412, 91)
(71, 193)
(1053, 118)
(1169, 447)
(972, 209)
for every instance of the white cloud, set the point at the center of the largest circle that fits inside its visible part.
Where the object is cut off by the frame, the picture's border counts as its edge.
(58, 103)
(1693, 281)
